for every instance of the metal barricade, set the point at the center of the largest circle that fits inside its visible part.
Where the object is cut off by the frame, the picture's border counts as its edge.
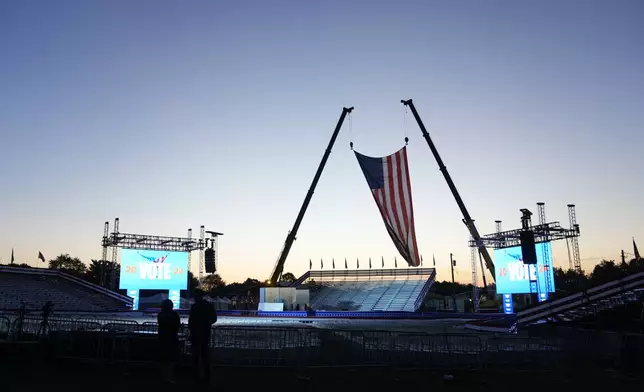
(262, 346)
(113, 341)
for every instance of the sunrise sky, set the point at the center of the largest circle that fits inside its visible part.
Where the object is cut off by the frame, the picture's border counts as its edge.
(171, 114)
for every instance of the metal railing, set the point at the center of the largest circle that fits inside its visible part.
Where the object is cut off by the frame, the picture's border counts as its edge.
(94, 338)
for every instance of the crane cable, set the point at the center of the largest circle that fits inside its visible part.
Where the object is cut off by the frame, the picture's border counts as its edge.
(351, 130)
(405, 131)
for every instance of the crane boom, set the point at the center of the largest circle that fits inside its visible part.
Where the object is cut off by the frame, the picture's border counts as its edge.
(467, 219)
(290, 238)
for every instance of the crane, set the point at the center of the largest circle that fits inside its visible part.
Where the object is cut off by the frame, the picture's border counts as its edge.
(290, 238)
(467, 219)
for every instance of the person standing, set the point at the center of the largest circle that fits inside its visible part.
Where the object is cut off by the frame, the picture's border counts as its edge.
(44, 325)
(202, 317)
(169, 323)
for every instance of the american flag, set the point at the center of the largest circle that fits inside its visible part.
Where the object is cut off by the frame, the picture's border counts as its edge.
(388, 179)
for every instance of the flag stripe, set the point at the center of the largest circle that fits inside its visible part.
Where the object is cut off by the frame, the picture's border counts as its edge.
(393, 194)
(405, 200)
(412, 226)
(389, 205)
(401, 180)
(388, 179)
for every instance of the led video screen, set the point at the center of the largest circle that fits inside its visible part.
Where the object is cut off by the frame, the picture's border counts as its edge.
(513, 277)
(153, 270)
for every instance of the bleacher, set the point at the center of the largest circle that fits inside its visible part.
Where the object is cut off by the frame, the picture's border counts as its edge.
(387, 290)
(35, 286)
(580, 305)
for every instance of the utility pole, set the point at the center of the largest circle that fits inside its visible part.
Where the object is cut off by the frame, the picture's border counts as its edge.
(451, 263)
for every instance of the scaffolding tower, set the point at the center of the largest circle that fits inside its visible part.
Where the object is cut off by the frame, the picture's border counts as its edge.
(543, 232)
(574, 241)
(541, 210)
(117, 240)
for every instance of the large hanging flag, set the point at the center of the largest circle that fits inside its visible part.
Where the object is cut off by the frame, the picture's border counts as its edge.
(41, 257)
(388, 179)
(12, 258)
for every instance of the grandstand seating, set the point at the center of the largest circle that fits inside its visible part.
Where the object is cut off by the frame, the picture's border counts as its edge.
(35, 286)
(373, 290)
(579, 305)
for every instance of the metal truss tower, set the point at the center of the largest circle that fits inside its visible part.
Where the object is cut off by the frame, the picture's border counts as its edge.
(106, 233)
(543, 232)
(497, 226)
(547, 264)
(552, 231)
(116, 240)
(115, 237)
(574, 241)
(202, 246)
(475, 281)
(190, 253)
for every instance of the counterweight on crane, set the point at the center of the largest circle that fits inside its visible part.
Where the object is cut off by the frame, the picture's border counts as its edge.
(290, 238)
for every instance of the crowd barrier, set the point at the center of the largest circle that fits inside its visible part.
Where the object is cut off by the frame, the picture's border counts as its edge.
(355, 315)
(92, 338)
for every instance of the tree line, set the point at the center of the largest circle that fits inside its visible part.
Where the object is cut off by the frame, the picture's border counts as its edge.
(566, 281)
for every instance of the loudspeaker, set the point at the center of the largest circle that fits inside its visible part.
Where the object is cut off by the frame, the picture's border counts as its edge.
(528, 249)
(210, 260)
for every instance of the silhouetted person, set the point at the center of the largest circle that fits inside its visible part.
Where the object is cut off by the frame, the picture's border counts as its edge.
(202, 317)
(46, 312)
(169, 323)
(19, 322)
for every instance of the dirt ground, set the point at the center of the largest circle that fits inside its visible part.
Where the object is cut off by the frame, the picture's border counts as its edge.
(71, 376)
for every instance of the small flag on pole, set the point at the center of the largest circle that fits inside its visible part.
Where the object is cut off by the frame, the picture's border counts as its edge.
(421, 260)
(434, 260)
(12, 258)
(321, 263)
(345, 263)
(310, 264)
(333, 262)
(369, 262)
(395, 262)
(41, 257)
(357, 262)
(383, 261)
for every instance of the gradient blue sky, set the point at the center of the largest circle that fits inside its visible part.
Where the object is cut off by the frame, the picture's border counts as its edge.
(171, 114)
